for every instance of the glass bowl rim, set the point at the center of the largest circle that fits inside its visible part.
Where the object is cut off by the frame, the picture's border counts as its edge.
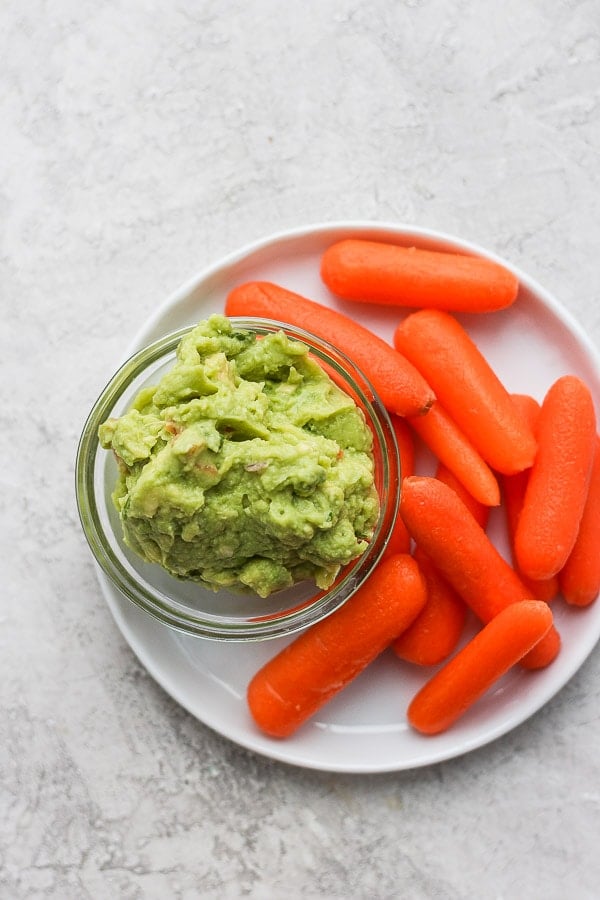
(324, 603)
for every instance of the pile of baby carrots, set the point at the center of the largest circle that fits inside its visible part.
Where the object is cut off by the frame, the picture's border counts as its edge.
(540, 460)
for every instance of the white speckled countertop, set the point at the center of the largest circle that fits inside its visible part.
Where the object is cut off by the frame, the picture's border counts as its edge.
(142, 141)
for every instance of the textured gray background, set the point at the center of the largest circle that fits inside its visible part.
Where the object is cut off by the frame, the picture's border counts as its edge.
(141, 141)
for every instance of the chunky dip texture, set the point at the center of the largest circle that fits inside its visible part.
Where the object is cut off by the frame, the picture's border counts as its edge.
(245, 467)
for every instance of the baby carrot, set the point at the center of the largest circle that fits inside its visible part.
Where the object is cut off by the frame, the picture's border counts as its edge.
(529, 409)
(544, 652)
(479, 511)
(401, 388)
(514, 487)
(505, 640)
(437, 629)
(559, 479)
(513, 490)
(580, 576)
(307, 673)
(446, 440)
(458, 546)
(378, 272)
(443, 527)
(468, 388)
(399, 540)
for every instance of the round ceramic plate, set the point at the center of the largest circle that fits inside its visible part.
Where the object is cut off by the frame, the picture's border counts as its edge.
(364, 728)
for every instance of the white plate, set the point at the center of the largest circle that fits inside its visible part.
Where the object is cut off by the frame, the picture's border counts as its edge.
(364, 728)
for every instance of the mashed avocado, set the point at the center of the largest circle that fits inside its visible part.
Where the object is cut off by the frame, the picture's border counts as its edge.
(246, 467)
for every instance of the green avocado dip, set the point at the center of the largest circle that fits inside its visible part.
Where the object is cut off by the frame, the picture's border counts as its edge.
(246, 467)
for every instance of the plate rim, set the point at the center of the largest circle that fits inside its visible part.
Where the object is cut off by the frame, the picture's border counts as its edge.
(382, 227)
(256, 743)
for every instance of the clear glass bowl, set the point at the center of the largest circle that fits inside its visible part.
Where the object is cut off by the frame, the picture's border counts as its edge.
(186, 605)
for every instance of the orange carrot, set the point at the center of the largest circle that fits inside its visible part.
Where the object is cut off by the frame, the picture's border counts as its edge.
(437, 629)
(307, 673)
(401, 388)
(377, 272)
(544, 652)
(468, 388)
(529, 409)
(505, 640)
(580, 576)
(458, 546)
(442, 525)
(399, 540)
(558, 483)
(479, 511)
(445, 439)
(514, 487)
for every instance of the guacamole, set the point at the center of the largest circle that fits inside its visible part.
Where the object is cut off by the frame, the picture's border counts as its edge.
(245, 467)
